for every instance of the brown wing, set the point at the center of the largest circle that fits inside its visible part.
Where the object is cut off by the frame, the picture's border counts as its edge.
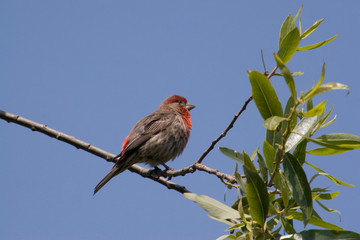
(147, 127)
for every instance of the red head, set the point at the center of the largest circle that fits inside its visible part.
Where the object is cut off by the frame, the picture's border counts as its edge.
(177, 102)
(181, 105)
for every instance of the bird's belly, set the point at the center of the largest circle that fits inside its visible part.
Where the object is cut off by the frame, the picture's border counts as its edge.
(162, 148)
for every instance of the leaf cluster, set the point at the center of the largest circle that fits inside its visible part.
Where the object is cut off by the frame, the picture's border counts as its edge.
(274, 190)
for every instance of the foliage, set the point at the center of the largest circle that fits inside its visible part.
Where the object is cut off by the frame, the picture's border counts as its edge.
(278, 192)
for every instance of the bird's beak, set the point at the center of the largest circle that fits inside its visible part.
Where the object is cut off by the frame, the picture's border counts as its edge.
(189, 106)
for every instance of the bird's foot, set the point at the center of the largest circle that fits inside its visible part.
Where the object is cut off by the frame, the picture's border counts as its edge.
(156, 171)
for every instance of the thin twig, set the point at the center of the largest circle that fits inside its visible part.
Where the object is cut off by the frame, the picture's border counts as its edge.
(223, 134)
(231, 124)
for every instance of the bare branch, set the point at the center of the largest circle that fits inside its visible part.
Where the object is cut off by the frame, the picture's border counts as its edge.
(223, 134)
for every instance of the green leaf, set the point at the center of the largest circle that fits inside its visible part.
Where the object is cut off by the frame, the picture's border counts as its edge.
(288, 109)
(309, 104)
(284, 190)
(232, 154)
(316, 45)
(326, 87)
(289, 45)
(325, 196)
(257, 196)
(338, 141)
(302, 130)
(319, 109)
(248, 163)
(273, 122)
(286, 27)
(213, 207)
(311, 29)
(314, 221)
(328, 123)
(287, 225)
(241, 183)
(323, 235)
(326, 151)
(287, 75)
(328, 209)
(264, 95)
(269, 154)
(300, 151)
(298, 13)
(312, 92)
(298, 184)
(325, 118)
(254, 154)
(263, 168)
(274, 138)
(335, 180)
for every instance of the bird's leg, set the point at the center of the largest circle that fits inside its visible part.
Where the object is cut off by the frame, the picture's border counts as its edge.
(156, 171)
(166, 169)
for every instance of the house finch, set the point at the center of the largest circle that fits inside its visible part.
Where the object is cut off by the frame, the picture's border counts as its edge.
(155, 139)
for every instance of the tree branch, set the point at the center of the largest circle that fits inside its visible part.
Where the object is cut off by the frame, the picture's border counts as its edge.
(34, 126)
(223, 134)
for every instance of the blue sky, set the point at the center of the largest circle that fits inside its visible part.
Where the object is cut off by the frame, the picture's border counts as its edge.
(92, 69)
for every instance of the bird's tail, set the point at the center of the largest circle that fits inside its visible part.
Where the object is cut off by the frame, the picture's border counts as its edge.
(113, 172)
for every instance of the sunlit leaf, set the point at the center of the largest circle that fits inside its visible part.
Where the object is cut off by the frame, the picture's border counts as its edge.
(303, 129)
(273, 122)
(286, 27)
(289, 45)
(311, 29)
(335, 180)
(313, 90)
(316, 45)
(257, 196)
(328, 209)
(314, 221)
(213, 207)
(287, 75)
(328, 123)
(317, 110)
(254, 154)
(264, 95)
(298, 184)
(325, 118)
(326, 87)
(269, 154)
(326, 151)
(325, 196)
(287, 225)
(298, 13)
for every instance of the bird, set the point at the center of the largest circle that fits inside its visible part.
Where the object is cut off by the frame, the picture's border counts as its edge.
(157, 138)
